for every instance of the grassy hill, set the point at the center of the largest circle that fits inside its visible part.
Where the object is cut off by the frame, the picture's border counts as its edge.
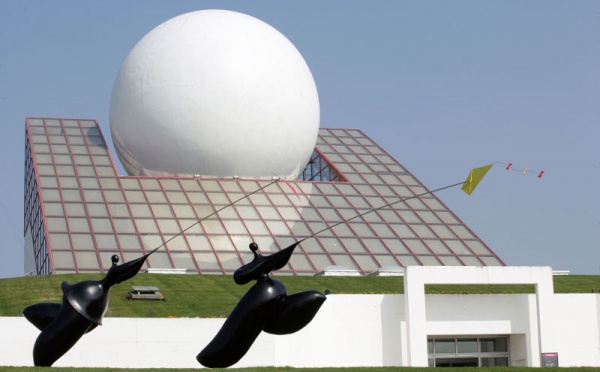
(209, 296)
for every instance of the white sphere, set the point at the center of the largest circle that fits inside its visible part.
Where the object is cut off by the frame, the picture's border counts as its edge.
(214, 93)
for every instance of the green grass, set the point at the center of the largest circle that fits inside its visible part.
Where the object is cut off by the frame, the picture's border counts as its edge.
(289, 369)
(209, 296)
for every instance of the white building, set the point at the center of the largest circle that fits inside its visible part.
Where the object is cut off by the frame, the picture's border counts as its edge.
(412, 329)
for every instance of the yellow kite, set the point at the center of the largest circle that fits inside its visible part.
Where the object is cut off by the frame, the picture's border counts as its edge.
(474, 178)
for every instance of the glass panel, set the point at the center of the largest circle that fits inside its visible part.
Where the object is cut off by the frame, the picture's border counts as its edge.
(56, 224)
(184, 260)
(79, 225)
(161, 210)
(406, 260)
(467, 345)
(140, 210)
(89, 183)
(417, 246)
(197, 198)
(150, 184)
(353, 245)
(490, 345)
(150, 242)
(184, 211)
(45, 170)
(83, 241)
(129, 241)
(320, 261)
(366, 263)
(159, 260)
(450, 261)
(96, 210)
(277, 227)
(260, 199)
(234, 227)
(178, 244)
(59, 241)
(156, 197)
(106, 171)
(457, 246)
(429, 260)
(93, 195)
(442, 231)
(119, 210)
(169, 184)
(444, 346)
(64, 170)
(87, 260)
(491, 261)
(477, 247)
(190, 185)
(256, 227)
(207, 261)
(230, 261)
(423, 231)
(332, 245)
(375, 246)
(168, 227)
(124, 225)
(102, 160)
(361, 229)
(198, 242)
(386, 260)
(268, 212)
(471, 261)
(114, 196)
(210, 185)
(177, 197)
(101, 225)
(63, 259)
(130, 183)
(106, 242)
(300, 263)
(135, 196)
(146, 226)
(85, 171)
(447, 217)
(437, 246)
(344, 260)
(55, 209)
(396, 246)
(69, 182)
(339, 201)
(218, 199)
(403, 231)
(382, 230)
(212, 227)
(462, 232)
(330, 215)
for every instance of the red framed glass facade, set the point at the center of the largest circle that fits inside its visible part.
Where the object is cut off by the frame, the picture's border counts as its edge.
(79, 212)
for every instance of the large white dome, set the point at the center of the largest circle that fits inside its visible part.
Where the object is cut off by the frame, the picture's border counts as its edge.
(214, 93)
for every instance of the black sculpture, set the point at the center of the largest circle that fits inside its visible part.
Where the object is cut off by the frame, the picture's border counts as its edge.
(265, 307)
(82, 308)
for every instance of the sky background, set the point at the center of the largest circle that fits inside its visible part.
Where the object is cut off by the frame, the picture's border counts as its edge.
(443, 86)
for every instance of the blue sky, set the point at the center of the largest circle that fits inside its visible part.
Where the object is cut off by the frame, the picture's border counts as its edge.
(443, 86)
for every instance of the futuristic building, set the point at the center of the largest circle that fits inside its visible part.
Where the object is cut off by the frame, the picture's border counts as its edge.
(215, 116)
(79, 211)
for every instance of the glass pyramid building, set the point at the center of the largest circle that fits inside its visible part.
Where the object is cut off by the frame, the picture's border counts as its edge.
(79, 211)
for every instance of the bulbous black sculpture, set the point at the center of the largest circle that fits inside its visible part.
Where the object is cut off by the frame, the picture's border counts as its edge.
(265, 307)
(82, 308)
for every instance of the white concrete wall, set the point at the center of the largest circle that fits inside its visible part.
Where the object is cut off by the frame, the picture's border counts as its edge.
(349, 330)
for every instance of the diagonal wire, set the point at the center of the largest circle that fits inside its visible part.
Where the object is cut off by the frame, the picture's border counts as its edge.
(381, 207)
(213, 213)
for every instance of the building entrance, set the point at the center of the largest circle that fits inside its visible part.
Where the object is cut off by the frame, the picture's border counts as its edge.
(477, 351)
